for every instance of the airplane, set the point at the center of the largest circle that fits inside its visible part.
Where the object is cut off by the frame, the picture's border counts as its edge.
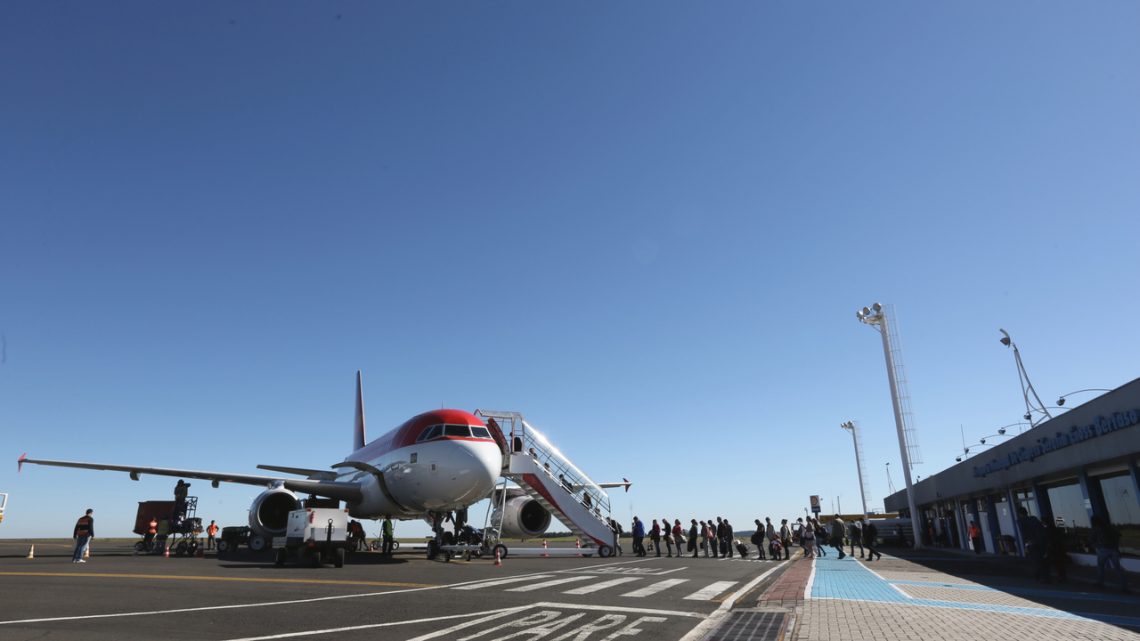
(434, 463)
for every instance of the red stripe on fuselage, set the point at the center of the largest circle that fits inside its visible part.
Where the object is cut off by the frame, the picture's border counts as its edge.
(406, 434)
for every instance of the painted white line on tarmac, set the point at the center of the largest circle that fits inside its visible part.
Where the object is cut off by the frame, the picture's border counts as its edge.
(650, 590)
(616, 608)
(492, 582)
(208, 608)
(714, 619)
(546, 584)
(494, 614)
(602, 586)
(709, 591)
(810, 581)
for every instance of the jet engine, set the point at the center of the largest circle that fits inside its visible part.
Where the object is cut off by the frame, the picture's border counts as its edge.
(523, 517)
(269, 516)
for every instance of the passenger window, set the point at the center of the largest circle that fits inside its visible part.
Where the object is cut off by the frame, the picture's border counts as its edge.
(456, 430)
(429, 433)
(480, 432)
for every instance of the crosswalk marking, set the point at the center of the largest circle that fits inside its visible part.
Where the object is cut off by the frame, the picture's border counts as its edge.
(587, 589)
(655, 588)
(710, 590)
(486, 584)
(547, 584)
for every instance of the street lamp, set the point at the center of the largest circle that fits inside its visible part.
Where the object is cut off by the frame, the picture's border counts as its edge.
(876, 317)
(851, 427)
(1026, 386)
(1061, 399)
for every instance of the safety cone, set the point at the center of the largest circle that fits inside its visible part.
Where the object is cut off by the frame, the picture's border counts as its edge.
(578, 544)
(544, 552)
(87, 551)
(498, 559)
(166, 551)
(32, 552)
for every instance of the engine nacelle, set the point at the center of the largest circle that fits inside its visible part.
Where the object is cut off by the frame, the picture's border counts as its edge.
(269, 514)
(524, 517)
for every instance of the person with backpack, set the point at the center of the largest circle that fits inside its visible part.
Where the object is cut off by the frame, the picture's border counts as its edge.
(870, 536)
(855, 532)
(638, 537)
(726, 539)
(667, 536)
(678, 536)
(838, 527)
(655, 536)
(807, 540)
(786, 539)
(758, 539)
(820, 537)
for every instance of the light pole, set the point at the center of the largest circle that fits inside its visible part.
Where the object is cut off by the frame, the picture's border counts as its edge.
(1026, 386)
(1061, 398)
(851, 427)
(876, 317)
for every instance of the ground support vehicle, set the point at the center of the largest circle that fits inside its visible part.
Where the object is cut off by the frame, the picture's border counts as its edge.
(318, 535)
(232, 537)
(182, 529)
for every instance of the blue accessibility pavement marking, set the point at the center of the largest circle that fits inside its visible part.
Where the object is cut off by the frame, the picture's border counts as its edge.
(848, 580)
(1036, 592)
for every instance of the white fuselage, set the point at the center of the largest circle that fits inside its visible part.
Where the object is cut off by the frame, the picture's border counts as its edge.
(434, 476)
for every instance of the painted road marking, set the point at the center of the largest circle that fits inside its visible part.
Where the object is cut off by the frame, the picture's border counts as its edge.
(853, 581)
(709, 591)
(549, 618)
(514, 579)
(547, 584)
(655, 588)
(237, 579)
(601, 586)
(630, 571)
(494, 614)
(718, 615)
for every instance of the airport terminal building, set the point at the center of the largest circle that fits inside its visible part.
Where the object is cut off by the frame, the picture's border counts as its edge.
(1078, 464)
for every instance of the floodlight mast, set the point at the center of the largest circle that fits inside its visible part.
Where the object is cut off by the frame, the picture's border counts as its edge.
(851, 427)
(876, 317)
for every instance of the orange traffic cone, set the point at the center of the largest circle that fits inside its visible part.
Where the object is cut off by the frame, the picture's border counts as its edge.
(32, 552)
(578, 544)
(87, 551)
(498, 559)
(166, 551)
(544, 552)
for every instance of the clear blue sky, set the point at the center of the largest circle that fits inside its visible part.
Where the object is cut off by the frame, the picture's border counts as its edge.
(645, 225)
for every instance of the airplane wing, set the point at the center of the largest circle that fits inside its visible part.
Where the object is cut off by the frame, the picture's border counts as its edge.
(330, 489)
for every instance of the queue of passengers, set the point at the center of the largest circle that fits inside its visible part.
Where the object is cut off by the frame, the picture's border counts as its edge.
(718, 540)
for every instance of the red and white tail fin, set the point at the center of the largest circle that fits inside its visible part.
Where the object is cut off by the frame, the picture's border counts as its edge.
(358, 437)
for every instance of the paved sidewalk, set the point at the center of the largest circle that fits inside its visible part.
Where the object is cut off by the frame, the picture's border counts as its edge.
(935, 596)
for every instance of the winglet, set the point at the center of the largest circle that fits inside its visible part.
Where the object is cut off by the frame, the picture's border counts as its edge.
(627, 484)
(358, 437)
(20, 462)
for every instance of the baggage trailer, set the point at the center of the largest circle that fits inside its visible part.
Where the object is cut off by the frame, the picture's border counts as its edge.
(316, 534)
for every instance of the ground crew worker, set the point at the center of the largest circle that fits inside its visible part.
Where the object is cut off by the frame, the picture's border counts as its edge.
(151, 530)
(386, 534)
(83, 533)
(211, 532)
(180, 490)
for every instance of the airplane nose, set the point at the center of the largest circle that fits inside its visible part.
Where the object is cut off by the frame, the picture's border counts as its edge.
(485, 467)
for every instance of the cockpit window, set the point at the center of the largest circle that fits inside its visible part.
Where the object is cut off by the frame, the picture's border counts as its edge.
(456, 430)
(480, 432)
(430, 433)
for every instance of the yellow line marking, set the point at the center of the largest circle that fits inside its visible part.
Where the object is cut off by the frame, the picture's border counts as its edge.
(164, 577)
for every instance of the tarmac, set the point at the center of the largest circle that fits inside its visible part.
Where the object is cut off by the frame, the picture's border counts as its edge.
(906, 595)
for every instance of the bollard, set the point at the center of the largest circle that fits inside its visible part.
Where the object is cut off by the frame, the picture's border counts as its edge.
(498, 559)
(544, 552)
(32, 552)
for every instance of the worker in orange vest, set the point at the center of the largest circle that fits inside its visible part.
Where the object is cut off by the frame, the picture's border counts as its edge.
(151, 530)
(211, 531)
